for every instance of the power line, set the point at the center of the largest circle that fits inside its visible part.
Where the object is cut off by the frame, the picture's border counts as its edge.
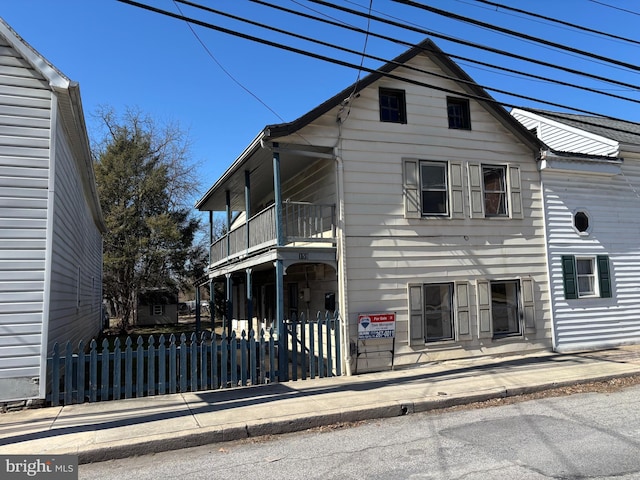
(236, 81)
(616, 8)
(561, 22)
(365, 55)
(478, 46)
(457, 57)
(479, 98)
(513, 33)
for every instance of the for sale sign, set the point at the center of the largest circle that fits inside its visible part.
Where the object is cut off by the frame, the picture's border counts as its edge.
(376, 325)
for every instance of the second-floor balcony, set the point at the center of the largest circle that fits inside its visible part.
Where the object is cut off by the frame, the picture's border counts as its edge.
(302, 224)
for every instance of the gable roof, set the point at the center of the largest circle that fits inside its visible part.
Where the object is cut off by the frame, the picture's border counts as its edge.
(70, 107)
(618, 130)
(270, 133)
(428, 47)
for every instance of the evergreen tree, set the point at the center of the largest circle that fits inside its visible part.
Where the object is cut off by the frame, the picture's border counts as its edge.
(144, 181)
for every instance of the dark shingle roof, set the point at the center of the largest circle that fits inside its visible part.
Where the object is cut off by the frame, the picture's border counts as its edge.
(618, 130)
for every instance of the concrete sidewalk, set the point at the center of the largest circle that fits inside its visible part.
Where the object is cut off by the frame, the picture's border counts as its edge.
(108, 430)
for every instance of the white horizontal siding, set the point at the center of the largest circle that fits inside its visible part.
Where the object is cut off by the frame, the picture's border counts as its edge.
(25, 111)
(386, 251)
(612, 204)
(75, 302)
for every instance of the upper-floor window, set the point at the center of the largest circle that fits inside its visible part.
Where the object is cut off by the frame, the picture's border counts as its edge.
(392, 105)
(586, 276)
(433, 182)
(495, 190)
(433, 188)
(458, 113)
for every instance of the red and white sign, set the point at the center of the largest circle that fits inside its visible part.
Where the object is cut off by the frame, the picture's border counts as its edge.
(376, 325)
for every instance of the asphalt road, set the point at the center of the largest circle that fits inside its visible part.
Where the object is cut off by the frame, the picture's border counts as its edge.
(591, 435)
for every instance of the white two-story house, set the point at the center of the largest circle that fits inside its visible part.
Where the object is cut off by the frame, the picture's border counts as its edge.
(411, 192)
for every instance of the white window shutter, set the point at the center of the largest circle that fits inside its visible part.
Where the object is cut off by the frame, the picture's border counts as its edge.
(528, 304)
(515, 191)
(456, 188)
(463, 314)
(476, 199)
(416, 315)
(485, 327)
(411, 188)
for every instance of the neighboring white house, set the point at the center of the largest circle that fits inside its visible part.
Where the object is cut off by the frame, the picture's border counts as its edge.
(591, 183)
(405, 193)
(51, 224)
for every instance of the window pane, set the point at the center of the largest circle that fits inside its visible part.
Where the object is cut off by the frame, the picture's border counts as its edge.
(433, 179)
(495, 190)
(392, 106)
(458, 113)
(438, 312)
(434, 203)
(504, 308)
(585, 266)
(433, 176)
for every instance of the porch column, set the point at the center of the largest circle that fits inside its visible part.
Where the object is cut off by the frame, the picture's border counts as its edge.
(198, 328)
(229, 304)
(212, 312)
(247, 205)
(228, 211)
(250, 303)
(283, 367)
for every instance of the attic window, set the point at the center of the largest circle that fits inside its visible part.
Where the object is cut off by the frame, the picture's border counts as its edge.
(392, 106)
(458, 113)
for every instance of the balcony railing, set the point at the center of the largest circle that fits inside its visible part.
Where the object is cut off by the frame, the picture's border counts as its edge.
(302, 222)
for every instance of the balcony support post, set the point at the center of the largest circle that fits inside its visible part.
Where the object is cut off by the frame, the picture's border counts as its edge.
(229, 304)
(247, 206)
(283, 367)
(250, 303)
(229, 213)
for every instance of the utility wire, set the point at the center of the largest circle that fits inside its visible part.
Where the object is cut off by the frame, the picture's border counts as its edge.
(616, 8)
(561, 22)
(513, 33)
(476, 45)
(457, 57)
(480, 98)
(235, 80)
(365, 55)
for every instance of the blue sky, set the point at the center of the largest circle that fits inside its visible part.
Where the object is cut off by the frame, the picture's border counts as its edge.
(124, 56)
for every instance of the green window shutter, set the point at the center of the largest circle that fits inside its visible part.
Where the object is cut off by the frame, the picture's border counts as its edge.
(456, 187)
(485, 327)
(476, 198)
(416, 315)
(528, 304)
(604, 276)
(569, 277)
(463, 317)
(411, 188)
(515, 192)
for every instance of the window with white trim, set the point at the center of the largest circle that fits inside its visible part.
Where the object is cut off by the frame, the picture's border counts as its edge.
(432, 188)
(438, 312)
(586, 276)
(494, 190)
(505, 307)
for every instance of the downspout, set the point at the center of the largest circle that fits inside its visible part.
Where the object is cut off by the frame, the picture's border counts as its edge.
(342, 266)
